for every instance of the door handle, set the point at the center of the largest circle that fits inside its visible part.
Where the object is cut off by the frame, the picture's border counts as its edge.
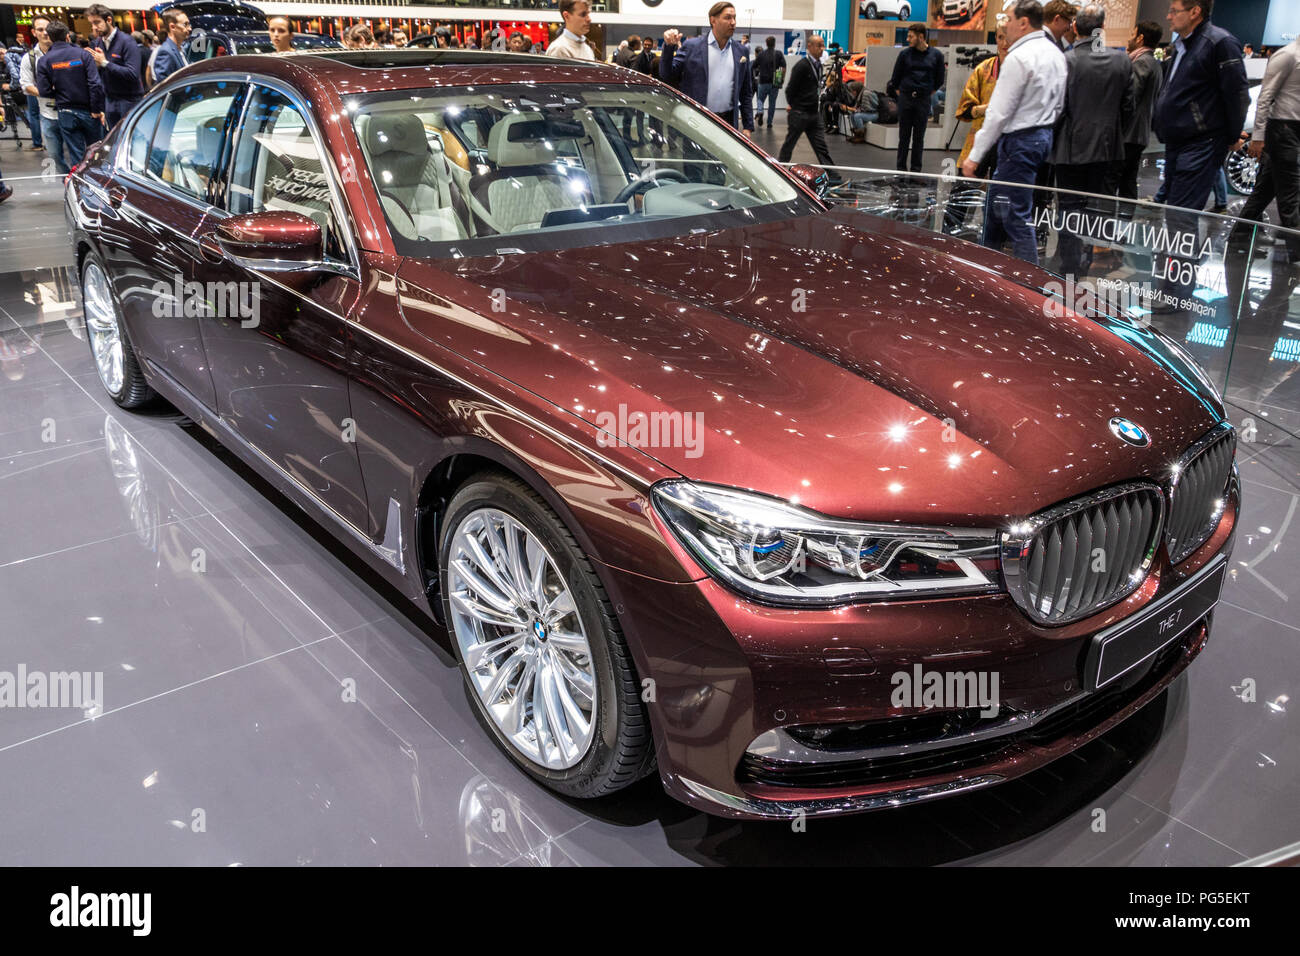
(210, 247)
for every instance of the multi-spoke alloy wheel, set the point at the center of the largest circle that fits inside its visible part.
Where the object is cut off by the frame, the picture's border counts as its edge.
(1241, 169)
(115, 361)
(102, 329)
(540, 647)
(520, 636)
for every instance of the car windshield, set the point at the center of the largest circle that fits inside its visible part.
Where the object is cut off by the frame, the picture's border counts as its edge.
(503, 169)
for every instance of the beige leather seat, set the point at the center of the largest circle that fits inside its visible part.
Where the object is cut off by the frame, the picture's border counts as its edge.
(524, 181)
(413, 178)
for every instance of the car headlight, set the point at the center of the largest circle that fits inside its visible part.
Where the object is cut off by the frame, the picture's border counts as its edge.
(783, 554)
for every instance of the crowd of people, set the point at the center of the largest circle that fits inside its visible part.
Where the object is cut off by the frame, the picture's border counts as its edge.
(1060, 108)
(1054, 107)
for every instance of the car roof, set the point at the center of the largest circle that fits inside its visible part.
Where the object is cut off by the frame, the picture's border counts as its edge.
(365, 71)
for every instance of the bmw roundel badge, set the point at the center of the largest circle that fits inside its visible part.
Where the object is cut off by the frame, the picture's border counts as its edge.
(1130, 432)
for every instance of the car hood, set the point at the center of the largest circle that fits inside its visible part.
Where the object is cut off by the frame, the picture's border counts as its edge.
(861, 367)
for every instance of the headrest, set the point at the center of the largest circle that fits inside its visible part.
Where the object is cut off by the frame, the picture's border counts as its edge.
(207, 138)
(396, 133)
(520, 139)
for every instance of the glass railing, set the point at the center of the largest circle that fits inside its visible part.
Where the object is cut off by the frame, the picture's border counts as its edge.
(1222, 287)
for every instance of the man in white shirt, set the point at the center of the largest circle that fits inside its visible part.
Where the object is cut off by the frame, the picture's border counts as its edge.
(51, 135)
(1275, 141)
(1025, 106)
(572, 43)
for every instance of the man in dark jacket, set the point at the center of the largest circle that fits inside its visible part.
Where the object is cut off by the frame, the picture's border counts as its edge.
(120, 62)
(1199, 116)
(1089, 139)
(1202, 107)
(1147, 80)
(767, 62)
(918, 72)
(802, 95)
(68, 75)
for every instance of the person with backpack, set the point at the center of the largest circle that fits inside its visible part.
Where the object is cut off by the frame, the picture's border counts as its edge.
(68, 75)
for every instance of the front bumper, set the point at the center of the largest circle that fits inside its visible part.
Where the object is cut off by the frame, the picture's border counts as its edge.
(737, 688)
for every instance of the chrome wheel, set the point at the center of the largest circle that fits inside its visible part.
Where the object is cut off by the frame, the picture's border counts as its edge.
(1241, 170)
(521, 639)
(102, 328)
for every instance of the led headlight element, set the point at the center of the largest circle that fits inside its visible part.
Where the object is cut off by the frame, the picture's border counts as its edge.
(783, 554)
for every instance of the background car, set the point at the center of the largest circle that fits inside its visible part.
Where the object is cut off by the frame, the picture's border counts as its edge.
(883, 9)
(855, 68)
(230, 27)
(568, 391)
(956, 12)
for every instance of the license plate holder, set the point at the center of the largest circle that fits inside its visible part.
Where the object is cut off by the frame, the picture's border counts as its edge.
(1120, 648)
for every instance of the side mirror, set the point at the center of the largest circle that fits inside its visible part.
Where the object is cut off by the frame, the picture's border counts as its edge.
(814, 177)
(265, 239)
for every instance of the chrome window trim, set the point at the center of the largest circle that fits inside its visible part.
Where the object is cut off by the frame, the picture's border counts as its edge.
(1016, 539)
(347, 224)
(122, 148)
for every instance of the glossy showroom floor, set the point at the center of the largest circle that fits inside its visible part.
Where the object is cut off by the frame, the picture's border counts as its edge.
(224, 688)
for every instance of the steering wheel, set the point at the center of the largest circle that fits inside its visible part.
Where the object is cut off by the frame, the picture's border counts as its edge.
(642, 183)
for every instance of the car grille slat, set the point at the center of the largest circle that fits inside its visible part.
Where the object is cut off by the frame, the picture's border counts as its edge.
(1051, 572)
(1198, 494)
(1079, 577)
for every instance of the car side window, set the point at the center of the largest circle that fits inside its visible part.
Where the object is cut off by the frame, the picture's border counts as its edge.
(187, 144)
(278, 166)
(141, 133)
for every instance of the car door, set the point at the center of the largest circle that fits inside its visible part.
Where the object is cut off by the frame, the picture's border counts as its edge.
(279, 352)
(161, 193)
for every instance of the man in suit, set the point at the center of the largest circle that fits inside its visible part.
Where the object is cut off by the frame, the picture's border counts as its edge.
(120, 62)
(170, 55)
(802, 92)
(1147, 80)
(1088, 144)
(713, 69)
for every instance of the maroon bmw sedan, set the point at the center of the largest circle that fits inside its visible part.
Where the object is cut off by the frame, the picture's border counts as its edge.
(805, 511)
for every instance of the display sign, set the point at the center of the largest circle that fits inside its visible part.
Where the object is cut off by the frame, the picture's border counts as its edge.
(961, 14)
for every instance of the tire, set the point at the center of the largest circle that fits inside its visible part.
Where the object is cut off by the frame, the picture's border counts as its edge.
(872, 12)
(508, 679)
(904, 12)
(110, 349)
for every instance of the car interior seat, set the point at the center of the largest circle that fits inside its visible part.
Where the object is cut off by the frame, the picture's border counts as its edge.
(412, 176)
(524, 181)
